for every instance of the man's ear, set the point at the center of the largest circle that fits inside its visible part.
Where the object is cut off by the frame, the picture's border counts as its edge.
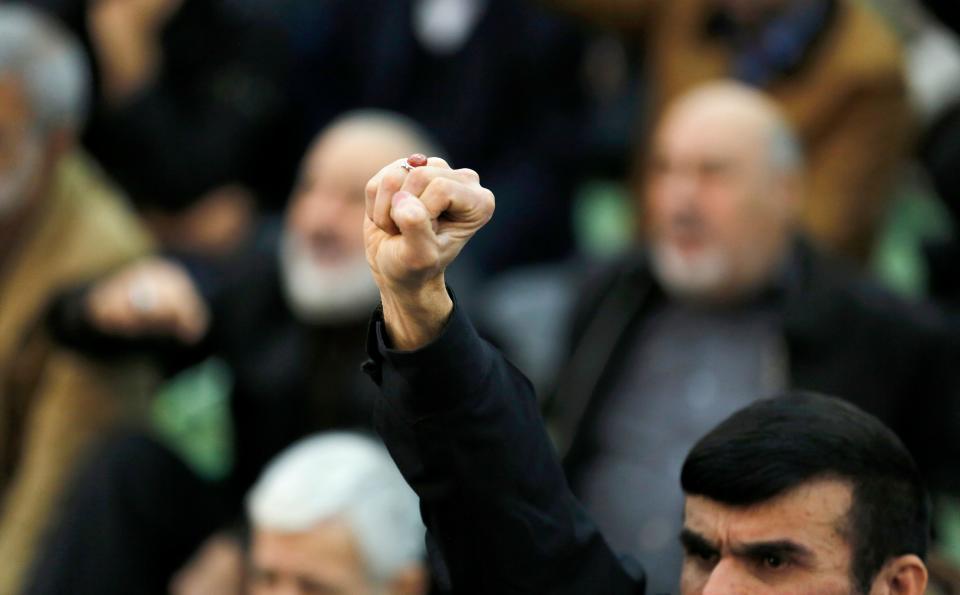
(412, 580)
(903, 575)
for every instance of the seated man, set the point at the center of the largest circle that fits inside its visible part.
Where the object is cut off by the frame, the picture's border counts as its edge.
(288, 321)
(329, 515)
(61, 223)
(801, 494)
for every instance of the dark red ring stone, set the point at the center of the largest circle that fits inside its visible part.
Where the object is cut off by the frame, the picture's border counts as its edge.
(417, 160)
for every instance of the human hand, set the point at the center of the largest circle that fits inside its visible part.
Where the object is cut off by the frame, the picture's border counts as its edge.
(153, 297)
(417, 221)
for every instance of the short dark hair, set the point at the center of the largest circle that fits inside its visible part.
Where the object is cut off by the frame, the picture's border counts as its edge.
(777, 444)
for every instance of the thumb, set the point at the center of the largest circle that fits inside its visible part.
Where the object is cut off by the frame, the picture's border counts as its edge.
(416, 228)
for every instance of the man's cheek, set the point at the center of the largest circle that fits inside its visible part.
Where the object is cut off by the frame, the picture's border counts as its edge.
(692, 578)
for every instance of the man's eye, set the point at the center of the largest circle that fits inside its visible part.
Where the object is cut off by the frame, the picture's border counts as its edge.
(773, 562)
(703, 556)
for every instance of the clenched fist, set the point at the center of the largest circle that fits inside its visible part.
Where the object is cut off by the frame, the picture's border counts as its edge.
(417, 221)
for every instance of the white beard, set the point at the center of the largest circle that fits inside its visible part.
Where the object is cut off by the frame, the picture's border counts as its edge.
(14, 186)
(690, 278)
(325, 293)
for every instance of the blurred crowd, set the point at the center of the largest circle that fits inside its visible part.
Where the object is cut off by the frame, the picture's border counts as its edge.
(699, 203)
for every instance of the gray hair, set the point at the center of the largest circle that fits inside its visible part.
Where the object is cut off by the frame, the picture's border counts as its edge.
(349, 477)
(49, 62)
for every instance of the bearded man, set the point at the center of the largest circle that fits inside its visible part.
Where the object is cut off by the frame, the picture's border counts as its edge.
(289, 321)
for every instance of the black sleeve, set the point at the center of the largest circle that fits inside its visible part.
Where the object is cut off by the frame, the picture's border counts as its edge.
(204, 122)
(68, 324)
(464, 428)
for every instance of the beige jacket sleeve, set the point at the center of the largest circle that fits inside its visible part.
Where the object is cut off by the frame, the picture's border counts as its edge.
(852, 170)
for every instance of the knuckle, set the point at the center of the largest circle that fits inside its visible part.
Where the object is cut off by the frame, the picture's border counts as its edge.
(371, 188)
(488, 201)
(468, 174)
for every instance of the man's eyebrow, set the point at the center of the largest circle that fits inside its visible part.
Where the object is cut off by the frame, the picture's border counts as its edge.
(694, 543)
(780, 548)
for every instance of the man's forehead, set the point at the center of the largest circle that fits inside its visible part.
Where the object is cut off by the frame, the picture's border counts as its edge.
(814, 514)
(713, 134)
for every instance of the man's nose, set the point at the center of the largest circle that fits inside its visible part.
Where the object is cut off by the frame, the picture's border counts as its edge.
(728, 578)
(680, 188)
(322, 210)
(285, 587)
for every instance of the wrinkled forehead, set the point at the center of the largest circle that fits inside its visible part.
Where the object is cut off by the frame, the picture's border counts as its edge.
(815, 514)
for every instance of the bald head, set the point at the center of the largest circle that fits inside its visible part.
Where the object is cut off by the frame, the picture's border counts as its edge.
(722, 192)
(360, 142)
(325, 270)
(749, 119)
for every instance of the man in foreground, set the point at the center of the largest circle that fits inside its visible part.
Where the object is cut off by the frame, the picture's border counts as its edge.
(801, 494)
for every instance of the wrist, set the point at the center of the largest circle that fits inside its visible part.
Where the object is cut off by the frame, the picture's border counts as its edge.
(416, 316)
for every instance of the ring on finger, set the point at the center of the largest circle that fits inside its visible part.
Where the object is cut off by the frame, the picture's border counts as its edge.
(141, 296)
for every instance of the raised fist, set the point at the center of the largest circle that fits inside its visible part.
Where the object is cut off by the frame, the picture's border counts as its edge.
(418, 218)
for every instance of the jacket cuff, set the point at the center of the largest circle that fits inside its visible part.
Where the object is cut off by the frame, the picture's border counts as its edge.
(436, 378)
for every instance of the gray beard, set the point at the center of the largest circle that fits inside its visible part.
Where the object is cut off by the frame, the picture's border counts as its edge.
(684, 278)
(321, 294)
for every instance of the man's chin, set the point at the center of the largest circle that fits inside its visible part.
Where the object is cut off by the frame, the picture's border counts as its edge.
(327, 293)
(695, 275)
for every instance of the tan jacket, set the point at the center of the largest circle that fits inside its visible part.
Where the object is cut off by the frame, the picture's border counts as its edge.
(53, 402)
(848, 103)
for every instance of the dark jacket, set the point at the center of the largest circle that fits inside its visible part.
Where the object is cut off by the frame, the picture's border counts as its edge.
(219, 99)
(289, 378)
(464, 427)
(508, 103)
(842, 335)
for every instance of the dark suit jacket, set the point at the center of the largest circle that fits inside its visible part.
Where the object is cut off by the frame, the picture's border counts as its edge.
(508, 103)
(289, 378)
(843, 335)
